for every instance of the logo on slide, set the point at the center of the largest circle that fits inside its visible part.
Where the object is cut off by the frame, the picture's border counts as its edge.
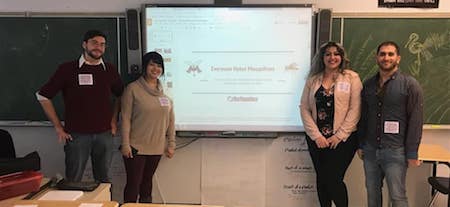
(193, 67)
(292, 66)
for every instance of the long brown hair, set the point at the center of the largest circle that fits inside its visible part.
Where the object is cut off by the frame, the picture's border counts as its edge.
(318, 66)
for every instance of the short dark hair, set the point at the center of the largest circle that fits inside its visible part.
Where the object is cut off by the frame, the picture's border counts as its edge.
(386, 43)
(93, 33)
(152, 57)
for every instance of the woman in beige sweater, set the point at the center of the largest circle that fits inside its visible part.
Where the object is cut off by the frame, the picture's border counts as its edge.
(330, 110)
(147, 129)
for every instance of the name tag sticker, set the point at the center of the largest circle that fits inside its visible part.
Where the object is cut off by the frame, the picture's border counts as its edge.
(343, 86)
(391, 127)
(85, 79)
(164, 101)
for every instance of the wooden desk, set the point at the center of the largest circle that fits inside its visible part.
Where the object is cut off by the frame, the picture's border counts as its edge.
(162, 205)
(62, 203)
(435, 154)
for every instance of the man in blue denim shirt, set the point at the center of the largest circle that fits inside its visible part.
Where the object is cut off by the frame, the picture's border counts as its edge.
(390, 128)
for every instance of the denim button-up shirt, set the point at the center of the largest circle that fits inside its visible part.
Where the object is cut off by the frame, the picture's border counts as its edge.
(398, 104)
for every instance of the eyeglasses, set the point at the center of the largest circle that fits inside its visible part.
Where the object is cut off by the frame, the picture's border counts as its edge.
(97, 44)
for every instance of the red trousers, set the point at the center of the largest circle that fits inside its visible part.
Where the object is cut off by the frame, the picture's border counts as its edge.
(140, 170)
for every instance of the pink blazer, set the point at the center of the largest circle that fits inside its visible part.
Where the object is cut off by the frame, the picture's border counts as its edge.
(347, 104)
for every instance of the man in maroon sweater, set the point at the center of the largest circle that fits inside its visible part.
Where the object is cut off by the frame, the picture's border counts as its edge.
(90, 118)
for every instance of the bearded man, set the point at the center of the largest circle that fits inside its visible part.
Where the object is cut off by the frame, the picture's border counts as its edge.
(90, 119)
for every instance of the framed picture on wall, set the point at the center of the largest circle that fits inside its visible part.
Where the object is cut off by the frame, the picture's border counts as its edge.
(409, 3)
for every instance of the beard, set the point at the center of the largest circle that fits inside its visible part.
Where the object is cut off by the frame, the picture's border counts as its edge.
(392, 66)
(93, 55)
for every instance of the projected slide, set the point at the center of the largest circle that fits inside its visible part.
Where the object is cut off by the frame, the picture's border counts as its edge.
(239, 69)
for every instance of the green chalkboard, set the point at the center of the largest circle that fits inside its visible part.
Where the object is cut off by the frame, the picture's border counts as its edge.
(425, 50)
(31, 50)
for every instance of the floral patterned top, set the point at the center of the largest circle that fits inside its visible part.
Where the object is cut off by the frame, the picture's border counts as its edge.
(325, 110)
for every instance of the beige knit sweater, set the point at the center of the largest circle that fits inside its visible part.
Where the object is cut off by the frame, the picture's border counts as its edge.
(147, 119)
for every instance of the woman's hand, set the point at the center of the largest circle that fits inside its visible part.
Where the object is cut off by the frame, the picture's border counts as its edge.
(334, 141)
(126, 151)
(322, 142)
(170, 152)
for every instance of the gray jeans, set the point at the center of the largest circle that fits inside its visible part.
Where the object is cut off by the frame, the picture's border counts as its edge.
(99, 146)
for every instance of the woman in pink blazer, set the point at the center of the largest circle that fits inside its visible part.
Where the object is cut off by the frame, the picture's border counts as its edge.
(330, 111)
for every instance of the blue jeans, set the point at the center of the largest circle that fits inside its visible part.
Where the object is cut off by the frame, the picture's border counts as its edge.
(389, 163)
(98, 146)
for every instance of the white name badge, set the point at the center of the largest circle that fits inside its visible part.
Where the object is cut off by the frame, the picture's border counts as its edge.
(164, 101)
(343, 86)
(391, 127)
(85, 79)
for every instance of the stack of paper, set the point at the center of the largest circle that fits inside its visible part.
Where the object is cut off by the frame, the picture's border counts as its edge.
(62, 195)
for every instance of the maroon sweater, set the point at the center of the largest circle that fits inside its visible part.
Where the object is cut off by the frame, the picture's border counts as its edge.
(88, 107)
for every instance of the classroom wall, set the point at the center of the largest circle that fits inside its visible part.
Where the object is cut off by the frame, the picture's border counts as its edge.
(196, 161)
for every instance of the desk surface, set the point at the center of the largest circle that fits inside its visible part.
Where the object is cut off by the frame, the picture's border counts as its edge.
(101, 193)
(434, 153)
(63, 203)
(162, 205)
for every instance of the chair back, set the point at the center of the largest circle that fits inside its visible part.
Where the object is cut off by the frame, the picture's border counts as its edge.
(7, 149)
(441, 184)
